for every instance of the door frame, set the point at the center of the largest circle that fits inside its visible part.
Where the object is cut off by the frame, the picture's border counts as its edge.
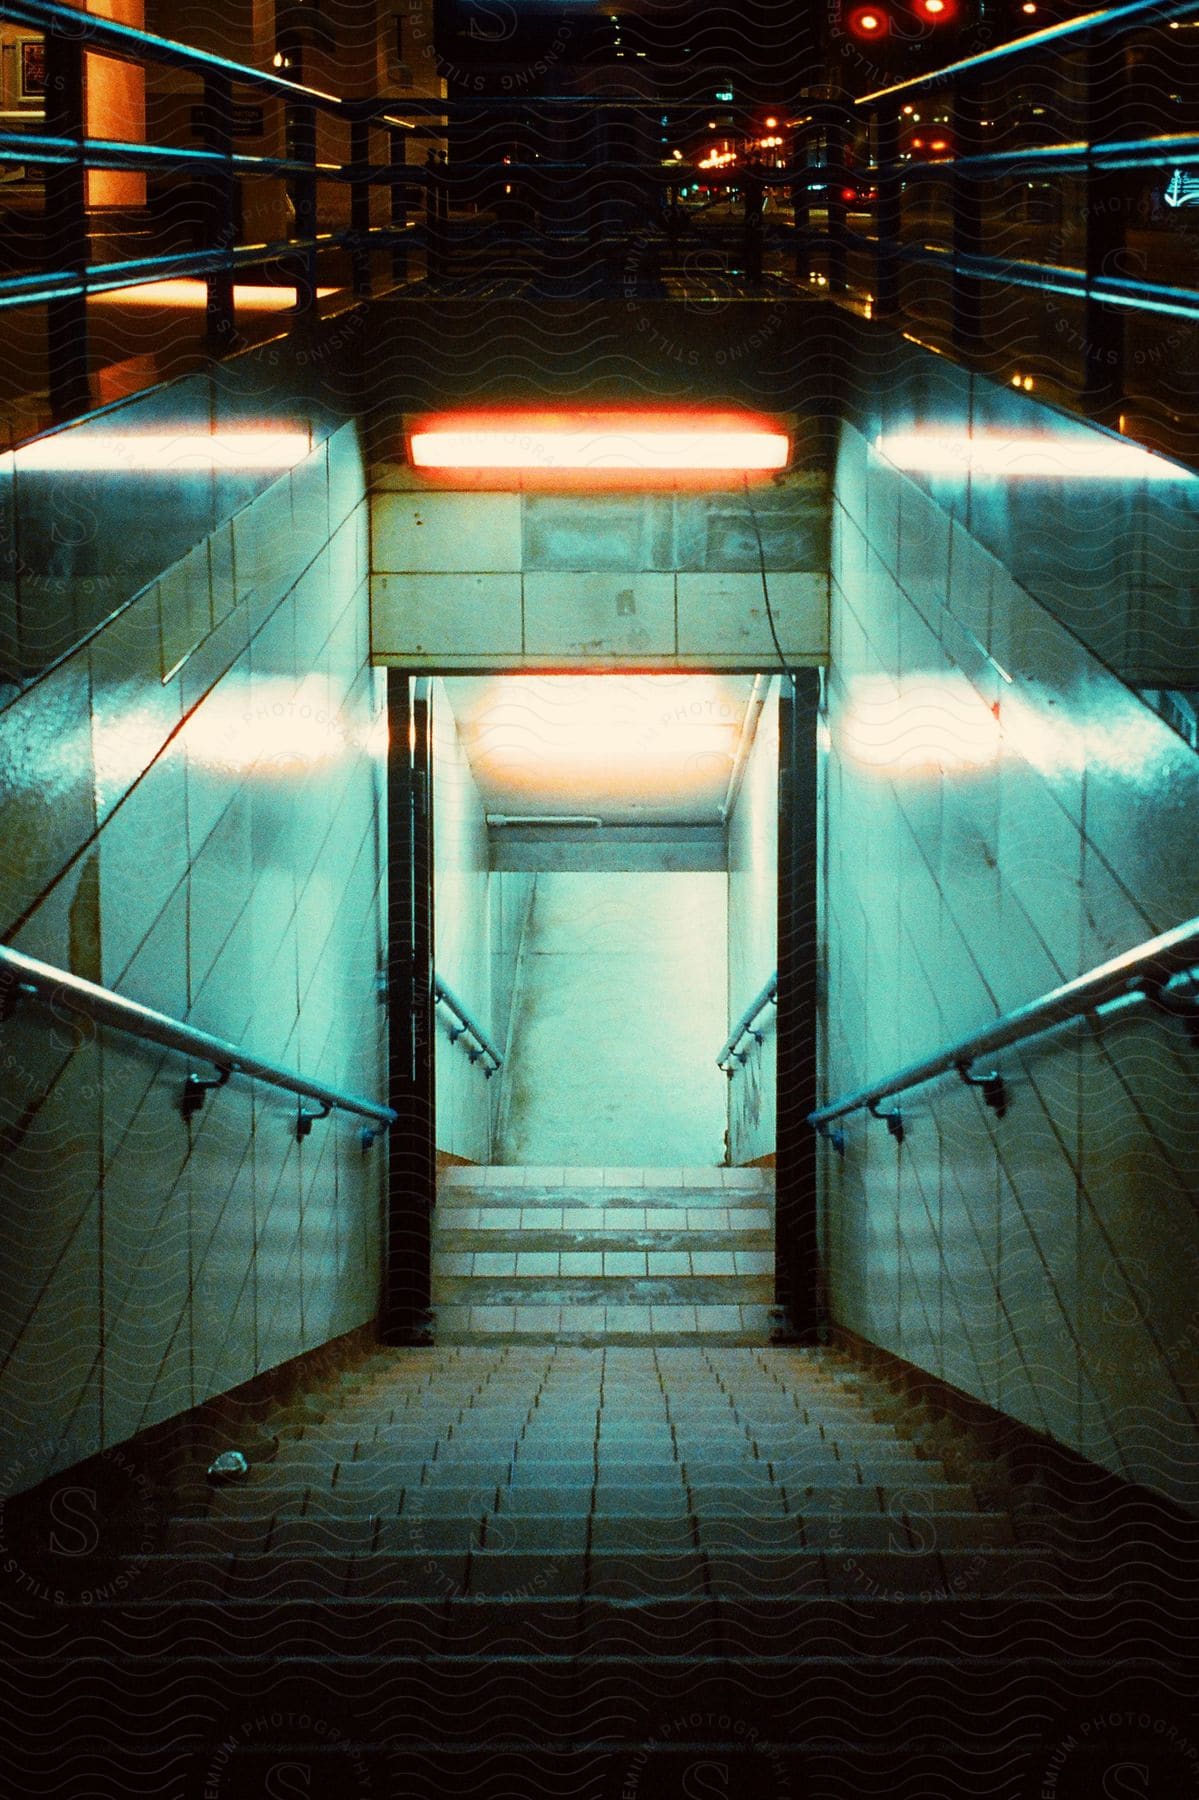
(412, 1074)
(412, 1160)
(799, 1278)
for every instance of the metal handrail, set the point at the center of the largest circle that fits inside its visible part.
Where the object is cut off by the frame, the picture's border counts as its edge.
(444, 995)
(107, 37)
(1108, 18)
(1057, 278)
(729, 1054)
(22, 975)
(1154, 970)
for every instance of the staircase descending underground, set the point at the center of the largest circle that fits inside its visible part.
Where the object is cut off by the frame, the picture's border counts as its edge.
(505, 1569)
(585, 1256)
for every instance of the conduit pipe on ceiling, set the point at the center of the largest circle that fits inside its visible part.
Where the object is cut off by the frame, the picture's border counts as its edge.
(543, 819)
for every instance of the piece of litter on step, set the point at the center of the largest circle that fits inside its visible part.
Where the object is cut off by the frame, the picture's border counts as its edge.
(230, 1465)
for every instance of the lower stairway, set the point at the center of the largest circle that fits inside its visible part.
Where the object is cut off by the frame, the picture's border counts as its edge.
(514, 1570)
(594, 1256)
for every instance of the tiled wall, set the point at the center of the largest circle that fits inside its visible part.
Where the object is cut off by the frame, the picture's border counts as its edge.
(462, 925)
(191, 816)
(1002, 815)
(547, 581)
(753, 936)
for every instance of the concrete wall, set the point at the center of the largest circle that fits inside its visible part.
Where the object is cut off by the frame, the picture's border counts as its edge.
(492, 580)
(190, 808)
(462, 928)
(619, 1013)
(753, 936)
(1004, 814)
(510, 898)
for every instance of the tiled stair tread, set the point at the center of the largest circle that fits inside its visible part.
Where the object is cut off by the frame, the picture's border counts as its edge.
(459, 1205)
(862, 1527)
(583, 1326)
(786, 1565)
(694, 1257)
(450, 1239)
(528, 1287)
(512, 1175)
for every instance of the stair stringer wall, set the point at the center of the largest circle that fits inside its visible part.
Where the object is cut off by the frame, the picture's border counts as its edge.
(1003, 814)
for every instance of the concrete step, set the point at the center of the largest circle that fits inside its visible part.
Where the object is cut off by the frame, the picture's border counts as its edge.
(630, 1325)
(624, 1282)
(690, 1561)
(292, 1613)
(516, 1177)
(452, 1241)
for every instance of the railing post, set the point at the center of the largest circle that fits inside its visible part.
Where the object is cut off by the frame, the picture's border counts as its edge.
(66, 228)
(966, 205)
(888, 214)
(398, 159)
(220, 224)
(302, 147)
(801, 207)
(754, 190)
(837, 139)
(360, 206)
(436, 215)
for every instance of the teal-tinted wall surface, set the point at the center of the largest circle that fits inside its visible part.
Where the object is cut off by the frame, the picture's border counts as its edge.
(1003, 814)
(190, 807)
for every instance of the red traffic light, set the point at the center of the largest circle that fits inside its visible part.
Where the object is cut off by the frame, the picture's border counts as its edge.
(936, 12)
(868, 22)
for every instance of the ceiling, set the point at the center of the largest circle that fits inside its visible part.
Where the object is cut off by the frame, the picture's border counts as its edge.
(627, 749)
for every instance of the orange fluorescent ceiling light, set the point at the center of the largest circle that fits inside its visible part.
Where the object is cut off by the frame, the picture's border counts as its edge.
(605, 444)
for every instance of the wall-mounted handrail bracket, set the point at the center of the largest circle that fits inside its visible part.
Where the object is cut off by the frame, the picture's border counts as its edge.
(49, 986)
(993, 1087)
(747, 1027)
(833, 1134)
(1163, 971)
(892, 1120)
(196, 1089)
(463, 1025)
(1178, 1002)
(306, 1120)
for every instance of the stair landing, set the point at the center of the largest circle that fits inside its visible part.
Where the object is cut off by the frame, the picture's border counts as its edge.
(591, 1256)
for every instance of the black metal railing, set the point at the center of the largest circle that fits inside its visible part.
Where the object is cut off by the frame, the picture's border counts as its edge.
(1160, 972)
(1086, 229)
(731, 1055)
(467, 1030)
(938, 246)
(25, 978)
(66, 155)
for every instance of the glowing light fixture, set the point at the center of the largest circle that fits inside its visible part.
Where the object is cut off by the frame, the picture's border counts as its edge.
(161, 452)
(193, 296)
(601, 442)
(867, 22)
(1025, 456)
